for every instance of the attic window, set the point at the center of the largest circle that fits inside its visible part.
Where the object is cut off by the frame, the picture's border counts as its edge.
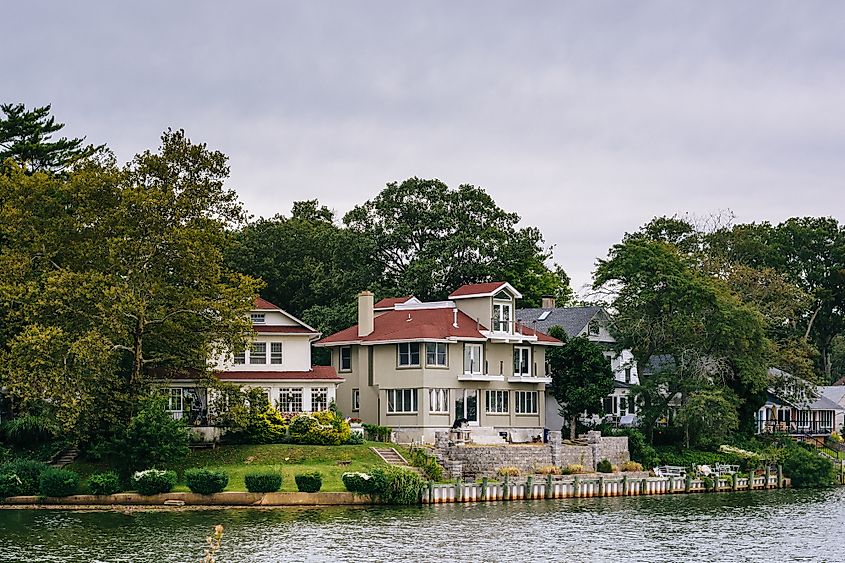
(543, 316)
(257, 318)
(594, 327)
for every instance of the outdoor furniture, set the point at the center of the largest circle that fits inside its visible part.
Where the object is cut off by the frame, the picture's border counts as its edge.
(705, 470)
(628, 420)
(670, 471)
(726, 469)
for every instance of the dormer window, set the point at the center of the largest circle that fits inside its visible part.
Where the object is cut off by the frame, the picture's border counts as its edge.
(257, 318)
(594, 328)
(502, 315)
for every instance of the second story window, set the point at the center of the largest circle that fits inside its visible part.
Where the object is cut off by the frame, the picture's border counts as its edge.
(276, 353)
(435, 354)
(409, 353)
(257, 318)
(473, 360)
(240, 358)
(594, 328)
(345, 358)
(258, 353)
(502, 315)
(521, 360)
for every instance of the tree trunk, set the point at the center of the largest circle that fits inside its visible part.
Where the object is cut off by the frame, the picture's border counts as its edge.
(572, 427)
(138, 361)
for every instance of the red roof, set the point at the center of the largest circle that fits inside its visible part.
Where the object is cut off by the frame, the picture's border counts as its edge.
(261, 303)
(425, 324)
(477, 289)
(390, 302)
(316, 373)
(283, 329)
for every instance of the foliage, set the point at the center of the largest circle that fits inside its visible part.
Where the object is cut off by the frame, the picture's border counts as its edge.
(807, 468)
(581, 376)
(427, 463)
(309, 482)
(29, 429)
(548, 470)
(107, 483)
(639, 448)
(263, 482)
(397, 485)
(355, 438)
(604, 466)
(206, 481)
(508, 471)
(356, 482)
(213, 544)
(58, 482)
(572, 469)
(152, 437)
(325, 428)
(25, 473)
(631, 466)
(378, 433)
(10, 485)
(154, 481)
(708, 417)
(252, 420)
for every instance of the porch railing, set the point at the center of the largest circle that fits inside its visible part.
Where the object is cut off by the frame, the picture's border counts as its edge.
(793, 427)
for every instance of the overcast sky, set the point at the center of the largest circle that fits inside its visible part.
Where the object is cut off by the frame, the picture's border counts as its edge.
(586, 118)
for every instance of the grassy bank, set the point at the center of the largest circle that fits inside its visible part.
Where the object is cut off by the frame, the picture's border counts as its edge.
(287, 459)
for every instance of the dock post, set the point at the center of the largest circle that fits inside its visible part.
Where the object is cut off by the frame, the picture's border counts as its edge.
(506, 489)
(688, 483)
(601, 486)
(576, 487)
(529, 487)
(549, 491)
(484, 488)
(459, 492)
(624, 485)
(780, 476)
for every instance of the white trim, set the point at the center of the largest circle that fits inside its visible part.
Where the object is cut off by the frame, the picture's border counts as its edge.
(479, 377)
(424, 305)
(511, 288)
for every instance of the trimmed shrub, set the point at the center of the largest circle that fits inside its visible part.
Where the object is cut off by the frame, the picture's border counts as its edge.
(508, 472)
(58, 482)
(807, 468)
(604, 466)
(631, 466)
(548, 470)
(265, 482)
(572, 469)
(309, 482)
(104, 483)
(154, 481)
(10, 485)
(378, 433)
(206, 481)
(26, 473)
(427, 463)
(357, 482)
(396, 485)
(355, 439)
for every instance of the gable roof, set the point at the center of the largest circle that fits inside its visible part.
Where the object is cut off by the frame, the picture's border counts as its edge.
(435, 323)
(573, 320)
(482, 290)
(261, 303)
(390, 302)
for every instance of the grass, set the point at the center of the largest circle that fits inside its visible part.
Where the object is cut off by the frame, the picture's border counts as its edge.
(836, 454)
(288, 459)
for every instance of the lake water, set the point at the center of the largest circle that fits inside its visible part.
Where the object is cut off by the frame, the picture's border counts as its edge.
(754, 526)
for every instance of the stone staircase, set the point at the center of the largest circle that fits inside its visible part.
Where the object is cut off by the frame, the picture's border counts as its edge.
(392, 457)
(64, 457)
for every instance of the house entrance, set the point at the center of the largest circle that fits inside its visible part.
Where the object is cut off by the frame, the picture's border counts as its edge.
(466, 405)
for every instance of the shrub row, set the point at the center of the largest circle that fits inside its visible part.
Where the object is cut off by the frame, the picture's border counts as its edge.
(393, 485)
(269, 426)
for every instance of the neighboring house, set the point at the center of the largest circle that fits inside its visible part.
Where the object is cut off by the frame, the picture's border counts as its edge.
(591, 322)
(418, 367)
(277, 360)
(808, 412)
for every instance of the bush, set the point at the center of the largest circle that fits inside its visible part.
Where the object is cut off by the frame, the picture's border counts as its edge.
(29, 430)
(639, 448)
(548, 470)
(604, 466)
(152, 437)
(631, 466)
(23, 477)
(378, 433)
(154, 481)
(104, 483)
(508, 472)
(357, 482)
(427, 463)
(206, 481)
(265, 482)
(309, 482)
(572, 469)
(807, 468)
(323, 428)
(253, 420)
(355, 439)
(10, 485)
(58, 482)
(396, 485)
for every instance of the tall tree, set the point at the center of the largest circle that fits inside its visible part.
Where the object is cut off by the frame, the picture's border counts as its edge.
(27, 137)
(581, 377)
(430, 239)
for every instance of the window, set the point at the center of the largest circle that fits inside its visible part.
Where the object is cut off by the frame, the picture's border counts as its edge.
(240, 358)
(473, 358)
(627, 375)
(435, 354)
(401, 401)
(502, 317)
(438, 401)
(257, 318)
(526, 402)
(258, 353)
(319, 398)
(496, 402)
(346, 358)
(623, 406)
(409, 353)
(521, 360)
(607, 405)
(594, 327)
(356, 399)
(275, 352)
(290, 399)
(175, 402)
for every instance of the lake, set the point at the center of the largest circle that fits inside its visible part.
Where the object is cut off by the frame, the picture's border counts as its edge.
(754, 526)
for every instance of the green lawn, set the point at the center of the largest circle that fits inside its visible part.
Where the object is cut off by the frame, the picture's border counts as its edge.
(287, 459)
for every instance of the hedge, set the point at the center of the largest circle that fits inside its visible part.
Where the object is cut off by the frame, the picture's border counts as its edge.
(309, 482)
(58, 482)
(154, 481)
(206, 481)
(263, 482)
(396, 485)
(104, 483)
(357, 482)
(21, 477)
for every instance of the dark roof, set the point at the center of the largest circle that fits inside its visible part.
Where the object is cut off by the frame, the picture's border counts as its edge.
(390, 302)
(261, 303)
(480, 289)
(571, 319)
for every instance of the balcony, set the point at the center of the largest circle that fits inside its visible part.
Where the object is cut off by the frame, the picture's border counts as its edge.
(528, 378)
(507, 331)
(795, 428)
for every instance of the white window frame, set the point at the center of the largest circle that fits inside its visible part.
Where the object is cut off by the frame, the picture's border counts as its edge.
(480, 369)
(340, 366)
(402, 401)
(175, 394)
(239, 359)
(437, 354)
(526, 402)
(276, 353)
(258, 318)
(255, 357)
(438, 401)
(500, 318)
(356, 399)
(289, 397)
(496, 401)
(408, 353)
(526, 369)
(319, 399)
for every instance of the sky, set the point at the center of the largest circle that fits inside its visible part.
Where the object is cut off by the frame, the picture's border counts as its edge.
(586, 118)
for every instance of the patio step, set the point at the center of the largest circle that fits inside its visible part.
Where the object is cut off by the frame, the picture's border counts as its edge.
(392, 457)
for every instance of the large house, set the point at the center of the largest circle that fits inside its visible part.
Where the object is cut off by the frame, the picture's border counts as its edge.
(278, 360)
(420, 367)
(590, 322)
(809, 411)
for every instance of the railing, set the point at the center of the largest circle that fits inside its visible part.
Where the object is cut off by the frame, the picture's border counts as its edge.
(793, 427)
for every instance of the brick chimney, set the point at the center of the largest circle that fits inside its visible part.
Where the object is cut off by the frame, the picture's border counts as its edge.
(365, 313)
(548, 302)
